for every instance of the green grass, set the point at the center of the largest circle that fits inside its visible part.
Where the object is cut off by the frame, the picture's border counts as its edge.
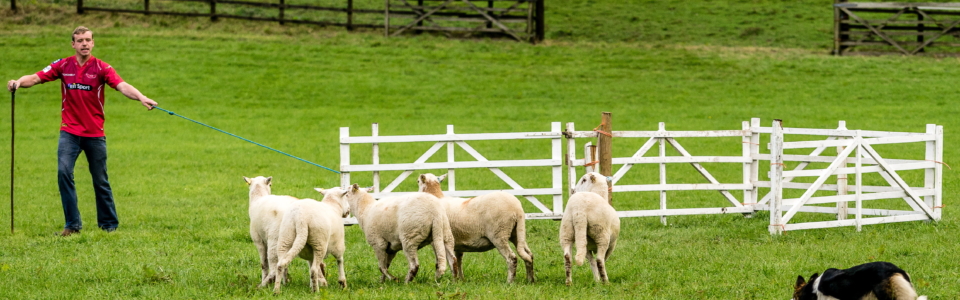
(182, 201)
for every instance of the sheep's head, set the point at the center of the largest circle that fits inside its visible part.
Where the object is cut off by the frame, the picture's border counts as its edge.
(336, 194)
(593, 182)
(355, 192)
(259, 184)
(429, 183)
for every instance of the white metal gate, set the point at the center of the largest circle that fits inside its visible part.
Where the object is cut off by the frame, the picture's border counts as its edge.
(662, 138)
(552, 164)
(925, 201)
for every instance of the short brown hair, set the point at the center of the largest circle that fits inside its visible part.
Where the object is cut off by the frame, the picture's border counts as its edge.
(79, 30)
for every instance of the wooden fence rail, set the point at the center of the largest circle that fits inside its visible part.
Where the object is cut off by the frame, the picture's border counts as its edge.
(497, 16)
(281, 16)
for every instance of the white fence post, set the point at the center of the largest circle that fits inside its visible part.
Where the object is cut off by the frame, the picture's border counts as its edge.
(344, 157)
(776, 178)
(451, 172)
(859, 187)
(375, 128)
(663, 173)
(747, 147)
(558, 169)
(842, 187)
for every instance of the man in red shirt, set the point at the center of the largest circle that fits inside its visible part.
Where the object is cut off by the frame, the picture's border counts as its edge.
(82, 79)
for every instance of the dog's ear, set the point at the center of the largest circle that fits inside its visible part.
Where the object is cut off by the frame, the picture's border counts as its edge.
(800, 283)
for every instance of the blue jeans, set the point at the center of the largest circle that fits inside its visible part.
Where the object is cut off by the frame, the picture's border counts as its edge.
(68, 151)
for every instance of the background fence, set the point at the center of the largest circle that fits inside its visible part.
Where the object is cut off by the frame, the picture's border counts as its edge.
(518, 19)
(904, 28)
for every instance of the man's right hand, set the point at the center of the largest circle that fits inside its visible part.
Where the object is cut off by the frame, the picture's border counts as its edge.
(13, 85)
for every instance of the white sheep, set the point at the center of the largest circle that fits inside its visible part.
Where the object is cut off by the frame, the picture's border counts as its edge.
(482, 223)
(406, 223)
(313, 230)
(266, 211)
(591, 223)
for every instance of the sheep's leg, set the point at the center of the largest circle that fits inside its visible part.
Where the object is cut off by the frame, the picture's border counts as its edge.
(593, 265)
(508, 255)
(528, 265)
(567, 262)
(272, 260)
(603, 251)
(282, 270)
(410, 250)
(318, 270)
(342, 278)
(264, 263)
(385, 256)
(458, 266)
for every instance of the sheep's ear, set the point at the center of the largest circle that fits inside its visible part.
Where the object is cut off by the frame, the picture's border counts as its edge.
(423, 178)
(441, 178)
(270, 180)
(322, 191)
(369, 189)
(593, 179)
(355, 187)
(800, 283)
(246, 179)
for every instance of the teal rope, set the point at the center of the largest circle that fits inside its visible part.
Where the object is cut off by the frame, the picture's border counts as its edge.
(252, 142)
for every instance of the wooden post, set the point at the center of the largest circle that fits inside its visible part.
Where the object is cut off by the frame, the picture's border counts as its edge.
(80, 7)
(281, 8)
(350, 15)
(838, 17)
(146, 7)
(539, 18)
(213, 10)
(920, 28)
(386, 18)
(489, 5)
(604, 141)
(13, 5)
(776, 178)
(420, 23)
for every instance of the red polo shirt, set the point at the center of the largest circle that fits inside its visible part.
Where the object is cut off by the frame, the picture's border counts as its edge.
(82, 90)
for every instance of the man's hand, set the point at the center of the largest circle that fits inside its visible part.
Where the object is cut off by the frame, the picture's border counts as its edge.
(13, 85)
(149, 103)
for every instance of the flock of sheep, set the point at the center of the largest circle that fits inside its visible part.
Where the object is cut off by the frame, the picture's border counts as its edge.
(283, 227)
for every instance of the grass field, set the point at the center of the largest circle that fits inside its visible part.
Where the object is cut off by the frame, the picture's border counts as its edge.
(183, 204)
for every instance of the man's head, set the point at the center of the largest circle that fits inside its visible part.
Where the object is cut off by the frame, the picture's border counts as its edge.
(82, 41)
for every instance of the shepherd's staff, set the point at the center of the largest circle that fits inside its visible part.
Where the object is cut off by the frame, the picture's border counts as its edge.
(13, 101)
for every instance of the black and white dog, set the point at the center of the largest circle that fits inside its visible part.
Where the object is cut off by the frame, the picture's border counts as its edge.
(870, 281)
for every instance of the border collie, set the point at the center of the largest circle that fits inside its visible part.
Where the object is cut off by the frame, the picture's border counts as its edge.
(869, 281)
